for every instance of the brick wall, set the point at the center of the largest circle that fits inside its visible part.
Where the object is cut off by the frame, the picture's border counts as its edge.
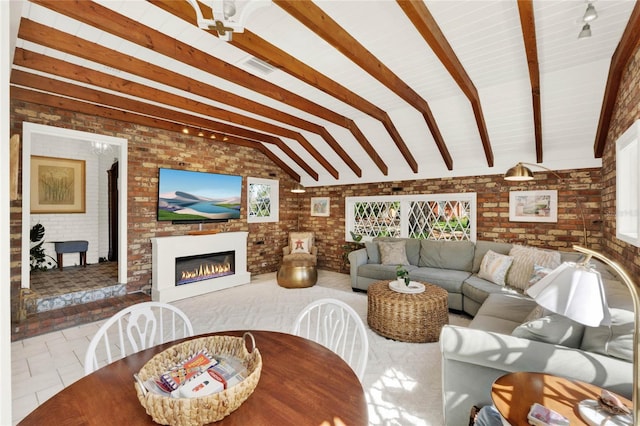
(149, 149)
(493, 210)
(626, 111)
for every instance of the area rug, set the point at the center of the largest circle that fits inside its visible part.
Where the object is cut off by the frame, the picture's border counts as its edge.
(402, 381)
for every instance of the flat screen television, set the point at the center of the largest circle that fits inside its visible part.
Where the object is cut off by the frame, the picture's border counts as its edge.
(197, 197)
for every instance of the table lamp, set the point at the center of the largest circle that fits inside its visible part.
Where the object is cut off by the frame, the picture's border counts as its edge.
(576, 291)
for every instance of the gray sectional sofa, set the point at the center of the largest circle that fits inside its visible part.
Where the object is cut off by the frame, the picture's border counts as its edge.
(453, 265)
(509, 332)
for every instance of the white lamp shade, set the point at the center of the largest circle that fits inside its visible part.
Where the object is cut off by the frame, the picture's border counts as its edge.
(574, 291)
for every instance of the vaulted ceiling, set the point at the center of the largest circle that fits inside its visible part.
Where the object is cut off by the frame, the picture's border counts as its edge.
(344, 91)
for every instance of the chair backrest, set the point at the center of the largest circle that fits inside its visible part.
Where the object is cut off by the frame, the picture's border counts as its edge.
(336, 325)
(144, 325)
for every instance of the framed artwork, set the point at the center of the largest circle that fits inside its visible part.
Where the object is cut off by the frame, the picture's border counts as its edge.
(57, 185)
(319, 206)
(533, 206)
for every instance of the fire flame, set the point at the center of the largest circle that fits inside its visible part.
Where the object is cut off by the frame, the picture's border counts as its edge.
(206, 270)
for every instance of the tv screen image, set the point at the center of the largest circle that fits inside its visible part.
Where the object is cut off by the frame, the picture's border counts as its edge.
(185, 195)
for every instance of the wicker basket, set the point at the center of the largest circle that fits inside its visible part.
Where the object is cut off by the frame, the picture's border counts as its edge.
(207, 409)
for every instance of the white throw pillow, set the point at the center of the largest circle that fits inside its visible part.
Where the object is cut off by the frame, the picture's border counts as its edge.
(300, 245)
(494, 267)
(393, 253)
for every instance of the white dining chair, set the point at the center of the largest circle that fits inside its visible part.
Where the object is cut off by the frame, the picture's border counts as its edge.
(133, 329)
(336, 325)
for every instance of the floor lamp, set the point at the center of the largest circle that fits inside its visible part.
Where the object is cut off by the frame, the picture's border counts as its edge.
(576, 291)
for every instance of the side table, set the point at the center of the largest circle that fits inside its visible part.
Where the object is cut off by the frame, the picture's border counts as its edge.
(297, 274)
(514, 393)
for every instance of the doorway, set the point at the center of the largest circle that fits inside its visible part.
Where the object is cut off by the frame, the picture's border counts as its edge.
(32, 133)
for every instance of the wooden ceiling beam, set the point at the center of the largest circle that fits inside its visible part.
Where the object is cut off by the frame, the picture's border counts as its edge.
(320, 23)
(95, 97)
(128, 29)
(427, 26)
(528, 24)
(262, 49)
(47, 99)
(49, 37)
(629, 41)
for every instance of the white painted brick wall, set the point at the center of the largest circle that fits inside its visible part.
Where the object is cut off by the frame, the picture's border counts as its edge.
(91, 225)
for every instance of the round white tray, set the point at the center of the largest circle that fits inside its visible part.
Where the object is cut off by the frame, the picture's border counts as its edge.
(413, 287)
(591, 413)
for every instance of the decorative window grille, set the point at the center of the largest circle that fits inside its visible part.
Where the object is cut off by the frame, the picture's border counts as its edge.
(262, 200)
(448, 217)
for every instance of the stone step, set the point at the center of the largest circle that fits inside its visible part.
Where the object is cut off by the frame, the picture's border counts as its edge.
(58, 301)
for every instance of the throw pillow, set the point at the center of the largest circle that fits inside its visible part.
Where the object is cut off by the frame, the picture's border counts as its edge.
(373, 253)
(537, 313)
(300, 245)
(393, 253)
(523, 260)
(539, 272)
(494, 267)
(555, 329)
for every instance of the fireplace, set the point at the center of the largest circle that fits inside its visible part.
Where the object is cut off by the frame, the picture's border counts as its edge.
(214, 251)
(191, 269)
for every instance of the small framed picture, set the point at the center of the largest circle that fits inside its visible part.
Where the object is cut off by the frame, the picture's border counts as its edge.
(533, 206)
(319, 206)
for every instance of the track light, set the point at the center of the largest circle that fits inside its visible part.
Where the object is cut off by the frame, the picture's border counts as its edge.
(586, 31)
(590, 14)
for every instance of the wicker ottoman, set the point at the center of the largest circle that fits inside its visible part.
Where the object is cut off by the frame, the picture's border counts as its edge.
(407, 317)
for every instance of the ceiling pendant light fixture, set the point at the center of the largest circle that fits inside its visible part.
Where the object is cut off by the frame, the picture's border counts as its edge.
(229, 16)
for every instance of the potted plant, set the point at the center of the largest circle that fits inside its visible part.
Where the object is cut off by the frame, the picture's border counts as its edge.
(403, 275)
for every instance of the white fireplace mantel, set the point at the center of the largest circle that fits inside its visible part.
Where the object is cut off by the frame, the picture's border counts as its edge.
(166, 249)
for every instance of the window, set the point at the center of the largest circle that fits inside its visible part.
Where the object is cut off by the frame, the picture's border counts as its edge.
(627, 188)
(262, 200)
(449, 217)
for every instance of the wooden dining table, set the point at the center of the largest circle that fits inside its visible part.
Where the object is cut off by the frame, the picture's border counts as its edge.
(302, 383)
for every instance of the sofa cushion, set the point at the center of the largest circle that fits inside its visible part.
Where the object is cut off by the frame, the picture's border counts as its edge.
(448, 279)
(617, 340)
(457, 255)
(393, 253)
(482, 247)
(524, 258)
(511, 307)
(478, 289)
(555, 329)
(494, 267)
(373, 253)
(380, 272)
(412, 247)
